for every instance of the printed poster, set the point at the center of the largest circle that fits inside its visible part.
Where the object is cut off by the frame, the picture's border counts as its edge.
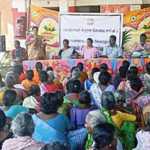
(47, 21)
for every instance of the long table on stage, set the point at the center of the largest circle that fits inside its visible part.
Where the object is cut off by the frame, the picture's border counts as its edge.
(62, 66)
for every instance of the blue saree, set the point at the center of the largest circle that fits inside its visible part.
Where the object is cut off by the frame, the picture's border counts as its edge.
(45, 133)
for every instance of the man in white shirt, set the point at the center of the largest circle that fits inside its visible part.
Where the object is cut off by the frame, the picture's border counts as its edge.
(113, 50)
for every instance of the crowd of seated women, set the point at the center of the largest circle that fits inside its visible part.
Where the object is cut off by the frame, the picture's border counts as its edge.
(96, 111)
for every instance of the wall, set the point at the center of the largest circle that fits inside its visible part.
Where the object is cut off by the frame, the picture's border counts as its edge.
(6, 19)
(8, 10)
(6, 22)
(46, 3)
(75, 5)
(102, 2)
(19, 8)
(55, 3)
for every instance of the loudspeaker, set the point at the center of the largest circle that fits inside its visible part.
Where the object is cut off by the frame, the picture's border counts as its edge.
(2, 43)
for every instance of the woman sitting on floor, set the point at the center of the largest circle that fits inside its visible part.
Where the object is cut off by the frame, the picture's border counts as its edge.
(123, 122)
(72, 96)
(11, 105)
(88, 83)
(50, 126)
(4, 130)
(105, 138)
(22, 128)
(32, 102)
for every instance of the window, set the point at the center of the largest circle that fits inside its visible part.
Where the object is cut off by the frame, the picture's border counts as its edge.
(53, 8)
(86, 9)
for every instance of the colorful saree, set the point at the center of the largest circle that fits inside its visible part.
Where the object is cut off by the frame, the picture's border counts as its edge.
(76, 139)
(126, 132)
(71, 99)
(89, 142)
(45, 133)
(36, 49)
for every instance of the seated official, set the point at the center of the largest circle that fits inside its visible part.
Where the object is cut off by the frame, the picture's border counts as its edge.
(143, 45)
(19, 54)
(88, 51)
(142, 48)
(112, 50)
(67, 51)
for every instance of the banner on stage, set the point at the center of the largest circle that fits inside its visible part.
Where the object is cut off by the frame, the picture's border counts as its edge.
(47, 21)
(62, 67)
(135, 23)
(78, 27)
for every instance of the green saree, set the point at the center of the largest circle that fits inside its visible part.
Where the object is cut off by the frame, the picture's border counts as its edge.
(126, 133)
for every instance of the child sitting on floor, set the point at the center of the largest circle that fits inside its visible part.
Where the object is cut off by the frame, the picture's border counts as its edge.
(28, 82)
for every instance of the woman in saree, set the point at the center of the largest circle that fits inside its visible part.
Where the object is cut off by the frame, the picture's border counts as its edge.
(66, 52)
(36, 46)
(11, 105)
(89, 82)
(105, 138)
(11, 83)
(74, 75)
(132, 73)
(93, 118)
(5, 133)
(122, 121)
(22, 128)
(89, 51)
(72, 96)
(50, 126)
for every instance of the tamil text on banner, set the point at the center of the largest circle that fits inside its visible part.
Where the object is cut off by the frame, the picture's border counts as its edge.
(78, 27)
(47, 21)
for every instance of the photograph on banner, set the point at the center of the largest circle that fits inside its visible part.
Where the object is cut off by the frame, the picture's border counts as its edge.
(47, 22)
(78, 27)
(135, 23)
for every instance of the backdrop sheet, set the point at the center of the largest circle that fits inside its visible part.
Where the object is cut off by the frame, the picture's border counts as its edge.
(62, 67)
